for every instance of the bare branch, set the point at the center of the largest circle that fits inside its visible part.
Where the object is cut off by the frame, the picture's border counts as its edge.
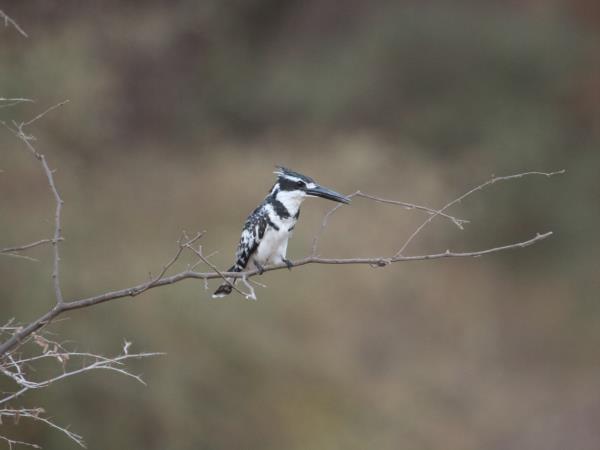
(20, 248)
(18, 131)
(324, 223)
(373, 261)
(8, 102)
(181, 246)
(8, 21)
(15, 99)
(16, 370)
(78, 439)
(12, 443)
(13, 251)
(21, 334)
(202, 258)
(42, 114)
(381, 261)
(100, 362)
(16, 255)
(458, 222)
(492, 180)
(36, 416)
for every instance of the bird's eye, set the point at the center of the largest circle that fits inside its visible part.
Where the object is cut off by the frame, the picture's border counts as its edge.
(300, 184)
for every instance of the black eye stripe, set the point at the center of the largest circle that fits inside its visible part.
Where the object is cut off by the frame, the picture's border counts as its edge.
(286, 184)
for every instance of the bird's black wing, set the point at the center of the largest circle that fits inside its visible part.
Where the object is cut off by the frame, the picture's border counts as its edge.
(252, 234)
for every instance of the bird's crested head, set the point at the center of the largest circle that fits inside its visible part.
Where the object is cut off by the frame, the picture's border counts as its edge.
(293, 187)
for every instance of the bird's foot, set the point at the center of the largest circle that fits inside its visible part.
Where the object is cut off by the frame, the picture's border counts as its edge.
(260, 268)
(288, 263)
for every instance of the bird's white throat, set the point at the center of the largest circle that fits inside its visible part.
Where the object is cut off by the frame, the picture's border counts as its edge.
(291, 200)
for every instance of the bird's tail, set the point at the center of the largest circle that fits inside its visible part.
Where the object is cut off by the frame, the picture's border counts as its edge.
(226, 288)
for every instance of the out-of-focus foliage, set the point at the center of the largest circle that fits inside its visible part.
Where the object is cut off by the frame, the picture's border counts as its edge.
(179, 110)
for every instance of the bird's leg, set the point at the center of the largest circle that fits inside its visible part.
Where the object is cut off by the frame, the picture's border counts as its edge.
(288, 263)
(260, 268)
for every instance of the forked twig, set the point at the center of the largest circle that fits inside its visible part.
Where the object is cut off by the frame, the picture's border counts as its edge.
(432, 212)
(18, 130)
(204, 259)
(492, 180)
(14, 251)
(20, 248)
(8, 21)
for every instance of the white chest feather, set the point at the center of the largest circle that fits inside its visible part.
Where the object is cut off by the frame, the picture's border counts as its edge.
(273, 246)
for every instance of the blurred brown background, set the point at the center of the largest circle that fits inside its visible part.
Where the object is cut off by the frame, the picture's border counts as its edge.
(178, 112)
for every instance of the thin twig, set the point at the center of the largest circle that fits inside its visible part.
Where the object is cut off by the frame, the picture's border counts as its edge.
(492, 180)
(16, 99)
(205, 260)
(16, 255)
(43, 113)
(8, 102)
(20, 248)
(12, 443)
(101, 363)
(181, 246)
(456, 221)
(18, 130)
(71, 435)
(8, 21)
(16, 368)
(324, 223)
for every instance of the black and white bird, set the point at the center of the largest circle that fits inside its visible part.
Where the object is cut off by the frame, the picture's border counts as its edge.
(267, 230)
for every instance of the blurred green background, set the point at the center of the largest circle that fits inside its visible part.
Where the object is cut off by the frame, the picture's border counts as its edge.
(178, 112)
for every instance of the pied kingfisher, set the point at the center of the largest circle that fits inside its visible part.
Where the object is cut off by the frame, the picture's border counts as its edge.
(267, 230)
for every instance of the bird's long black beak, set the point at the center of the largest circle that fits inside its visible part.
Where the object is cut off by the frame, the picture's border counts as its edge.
(323, 192)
